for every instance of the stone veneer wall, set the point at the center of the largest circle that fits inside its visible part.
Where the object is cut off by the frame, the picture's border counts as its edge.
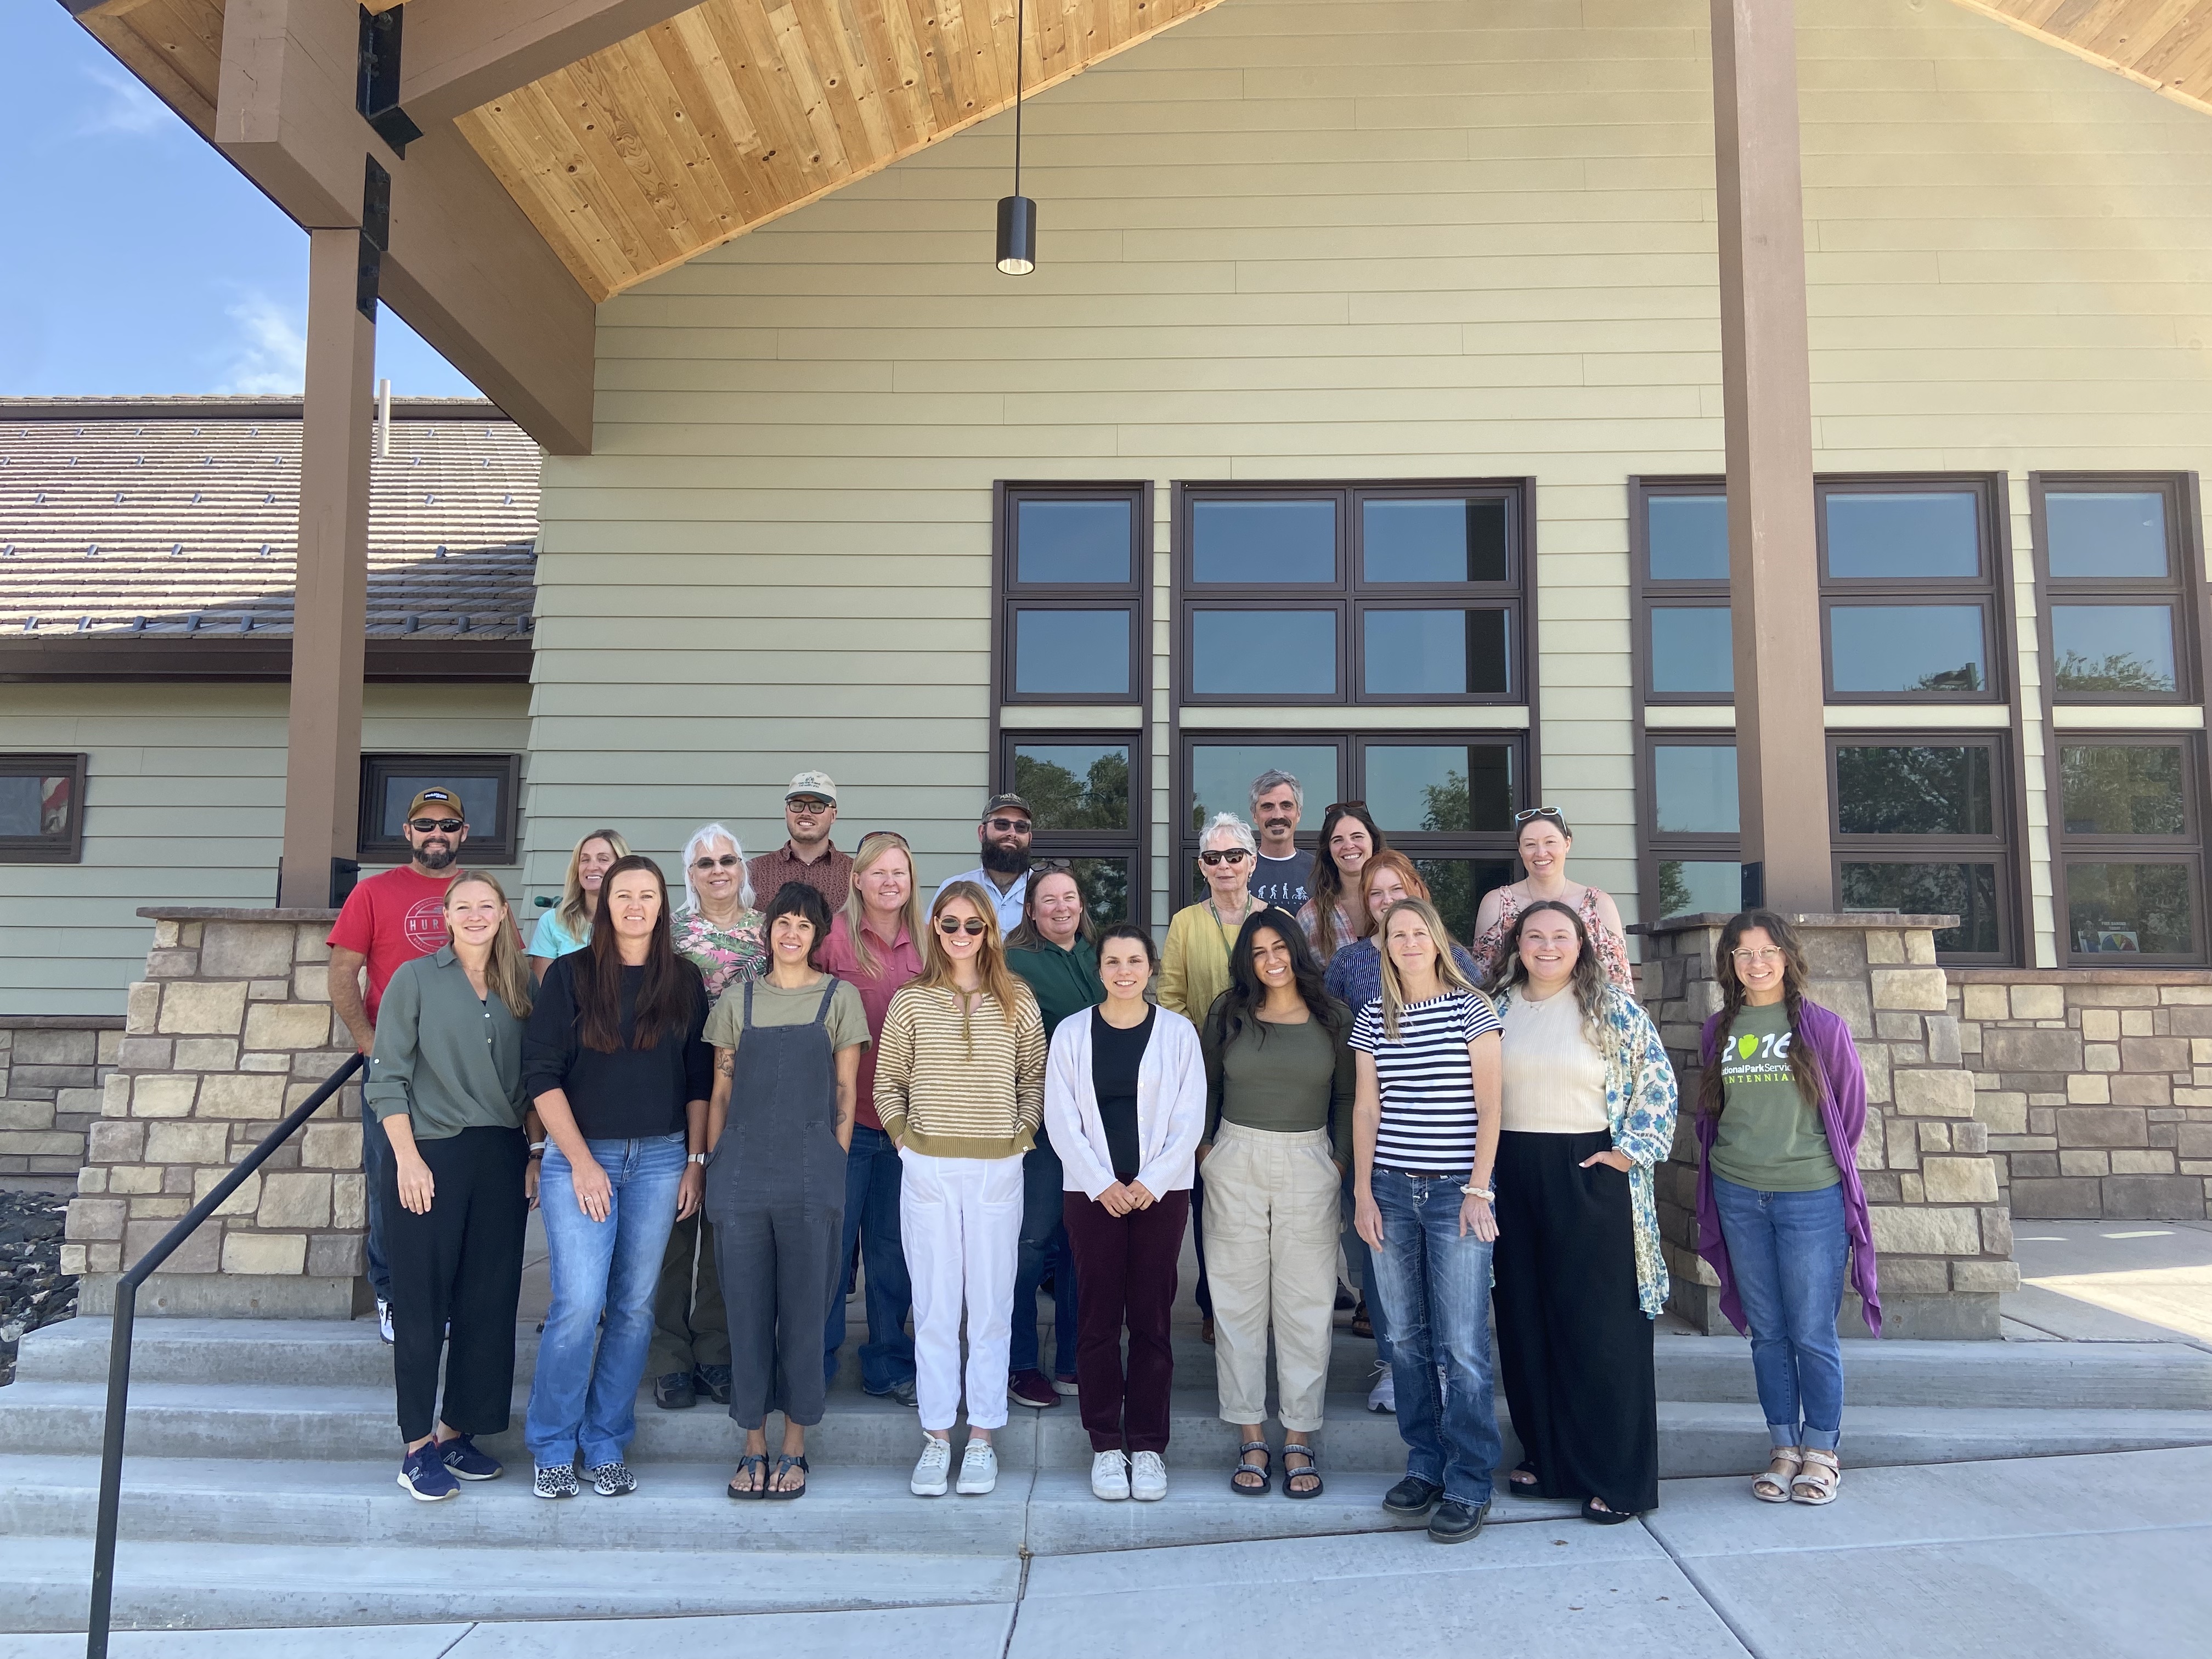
(230, 1029)
(2095, 1085)
(51, 1070)
(1942, 1229)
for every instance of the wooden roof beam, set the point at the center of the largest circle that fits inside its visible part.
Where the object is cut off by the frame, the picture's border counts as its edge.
(457, 54)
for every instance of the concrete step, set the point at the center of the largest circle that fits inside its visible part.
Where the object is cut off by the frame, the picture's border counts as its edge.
(2089, 1376)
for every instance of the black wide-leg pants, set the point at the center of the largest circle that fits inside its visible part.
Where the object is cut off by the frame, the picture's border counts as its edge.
(1574, 1348)
(459, 1264)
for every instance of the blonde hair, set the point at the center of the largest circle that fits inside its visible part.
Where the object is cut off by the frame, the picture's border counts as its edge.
(998, 981)
(573, 917)
(874, 847)
(1450, 974)
(507, 975)
(700, 837)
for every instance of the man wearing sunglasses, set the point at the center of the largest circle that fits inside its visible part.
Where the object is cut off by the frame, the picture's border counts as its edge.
(1003, 832)
(388, 920)
(810, 810)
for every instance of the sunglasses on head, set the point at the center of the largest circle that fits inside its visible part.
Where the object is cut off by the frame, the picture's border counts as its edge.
(1224, 855)
(424, 826)
(708, 861)
(1009, 826)
(952, 926)
(1551, 813)
(1344, 806)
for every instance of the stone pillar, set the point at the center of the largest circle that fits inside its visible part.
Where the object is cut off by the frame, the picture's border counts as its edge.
(1941, 1229)
(51, 1070)
(231, 1028)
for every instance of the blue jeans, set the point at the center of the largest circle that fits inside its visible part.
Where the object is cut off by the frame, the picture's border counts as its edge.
(872, 1220)
(1436, 1288)
(1790, 1252)
(375, 1153)
(1359, 1263)
(580, 1400)
(1044, 1249)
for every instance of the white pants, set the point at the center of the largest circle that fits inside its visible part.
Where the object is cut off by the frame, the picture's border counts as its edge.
(960, 1220)
(1271, 1204)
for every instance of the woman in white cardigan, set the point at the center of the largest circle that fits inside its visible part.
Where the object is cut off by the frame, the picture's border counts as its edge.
(1125, 1100)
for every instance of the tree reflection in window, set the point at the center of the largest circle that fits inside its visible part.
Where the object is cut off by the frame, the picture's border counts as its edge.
(1061, 798)
(2120, 671)
(1914, 790)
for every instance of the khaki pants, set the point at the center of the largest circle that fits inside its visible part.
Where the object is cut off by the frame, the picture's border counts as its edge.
(1271, 1251)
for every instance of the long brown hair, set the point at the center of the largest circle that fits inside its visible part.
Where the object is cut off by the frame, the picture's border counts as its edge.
(1324, 886)
(1588, 977)
(997, 980)
(1804, 1065)
(507, 975)
(669, 994)
(1450, 975)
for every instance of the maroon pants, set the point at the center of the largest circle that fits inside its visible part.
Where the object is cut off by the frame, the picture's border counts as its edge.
(1127, 1267)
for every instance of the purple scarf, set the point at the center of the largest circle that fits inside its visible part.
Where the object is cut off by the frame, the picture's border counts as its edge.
(1843, 1115)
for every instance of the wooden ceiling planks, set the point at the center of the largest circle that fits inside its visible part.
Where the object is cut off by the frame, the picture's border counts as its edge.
(737, 112)
(176, 47)
(2164, 44)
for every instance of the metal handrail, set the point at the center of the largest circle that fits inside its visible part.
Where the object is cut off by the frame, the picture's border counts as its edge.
(118, 1350)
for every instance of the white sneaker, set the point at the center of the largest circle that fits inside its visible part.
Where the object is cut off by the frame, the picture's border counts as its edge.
(930, 1472)
(1148, 1478)
(1109, 1476)
(978, 1469)
(1383, 1396)
(384, 1321)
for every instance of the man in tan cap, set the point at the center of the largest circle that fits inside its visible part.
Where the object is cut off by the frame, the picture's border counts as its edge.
(810, 808)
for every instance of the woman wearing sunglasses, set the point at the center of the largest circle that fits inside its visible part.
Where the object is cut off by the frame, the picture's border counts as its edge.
(1781, 1213)
(568, 925)
(1336, 913)
(960, 1090)
(1194, 970)
(1542, 839)
(718, 927)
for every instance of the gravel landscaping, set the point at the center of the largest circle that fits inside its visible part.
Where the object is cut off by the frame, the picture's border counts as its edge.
(33, 1290)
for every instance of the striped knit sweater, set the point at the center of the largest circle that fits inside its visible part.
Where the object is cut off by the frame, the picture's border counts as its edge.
(943, 1097)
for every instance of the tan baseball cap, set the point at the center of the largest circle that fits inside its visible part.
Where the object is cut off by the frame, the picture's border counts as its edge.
(448, 799)
(813, 783)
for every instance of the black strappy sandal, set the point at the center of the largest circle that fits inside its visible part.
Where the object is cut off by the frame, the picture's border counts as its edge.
(748, 1460)
(1245, 1465)
(1605, 1517)
(1532, 1487)
(1290, 1474)
(784, 1465)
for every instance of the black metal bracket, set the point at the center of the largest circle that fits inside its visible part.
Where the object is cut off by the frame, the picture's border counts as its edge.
(376, 86)
(375, 234)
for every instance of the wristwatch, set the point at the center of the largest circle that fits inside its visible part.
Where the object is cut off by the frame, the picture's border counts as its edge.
(536, 1149)
(1485, 1194)
(697, 1157)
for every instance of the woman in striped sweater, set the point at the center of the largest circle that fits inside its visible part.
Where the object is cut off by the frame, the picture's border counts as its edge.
(960, 1090)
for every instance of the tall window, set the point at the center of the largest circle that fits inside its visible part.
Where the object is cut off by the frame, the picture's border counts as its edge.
(1911, 573)
(1679, 544)
(2130, 849)
(42, 808)
(2116, 560)
(1087, 812)
(1690, 806)
(1919, 825)
(489, 785)
(1073, 579)
(1365, 593)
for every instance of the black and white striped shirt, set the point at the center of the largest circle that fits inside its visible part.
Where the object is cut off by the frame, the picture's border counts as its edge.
(1428, 1085)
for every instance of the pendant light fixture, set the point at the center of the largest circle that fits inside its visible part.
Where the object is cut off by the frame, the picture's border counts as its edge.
(1016, 213)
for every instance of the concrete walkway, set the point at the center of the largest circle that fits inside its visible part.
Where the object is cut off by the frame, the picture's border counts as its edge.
(2111, 1281)
(2055, 1558)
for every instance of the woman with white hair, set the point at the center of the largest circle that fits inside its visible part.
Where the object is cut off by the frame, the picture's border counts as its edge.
(1194, 968)
(719, 932)
(568, 925)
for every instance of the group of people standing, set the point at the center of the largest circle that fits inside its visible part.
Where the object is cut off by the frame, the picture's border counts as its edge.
(721, 1109)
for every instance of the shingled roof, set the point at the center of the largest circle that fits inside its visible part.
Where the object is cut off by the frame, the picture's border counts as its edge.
(148, 537)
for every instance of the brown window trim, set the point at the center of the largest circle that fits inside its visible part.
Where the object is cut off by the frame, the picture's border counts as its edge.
(2186, 848)
(1649, 594)
(65, 849)
(1660, 846)
(1133, 844)
(1008, 595)
(493, 846)
(1350, 595)
(2183, 587)
(2000, 848)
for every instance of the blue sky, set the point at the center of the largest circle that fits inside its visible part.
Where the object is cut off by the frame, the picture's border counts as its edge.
(133, 258)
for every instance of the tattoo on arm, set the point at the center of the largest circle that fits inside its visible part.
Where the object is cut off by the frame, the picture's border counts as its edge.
(726, 1062)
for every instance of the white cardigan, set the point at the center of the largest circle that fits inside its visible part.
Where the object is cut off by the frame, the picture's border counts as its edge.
(1170, 1106)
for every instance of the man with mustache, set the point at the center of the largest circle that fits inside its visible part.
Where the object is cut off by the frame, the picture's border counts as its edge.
(1004, 832)
(1283, 873)
(388, 920)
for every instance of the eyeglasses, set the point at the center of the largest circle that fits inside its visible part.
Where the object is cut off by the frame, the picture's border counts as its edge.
(809, 807)
(952, 927)
(1009, 826)
(1551, 813)
(424, 826)
(1769, 953)
(706, 862)
(1224, 855)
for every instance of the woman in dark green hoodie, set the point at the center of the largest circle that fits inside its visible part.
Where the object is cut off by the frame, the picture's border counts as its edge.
(1053, 951)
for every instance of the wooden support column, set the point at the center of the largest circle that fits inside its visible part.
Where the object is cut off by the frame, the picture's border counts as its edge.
(322, 766)
(1774, 588)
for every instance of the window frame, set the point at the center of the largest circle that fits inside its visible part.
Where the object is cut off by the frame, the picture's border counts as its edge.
(500, 847)
(1649, 594)
(1660, 846)
(1988, 589)
(1132, 843)
(65, 849)
(2187, 848)
(1009, 596)
(2001, 847)
(1350, 595)
(2184, 587)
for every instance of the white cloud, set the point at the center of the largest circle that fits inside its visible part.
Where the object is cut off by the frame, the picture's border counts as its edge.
(127, 108)
(268, 353)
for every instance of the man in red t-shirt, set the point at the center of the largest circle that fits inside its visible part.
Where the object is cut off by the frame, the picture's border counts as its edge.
(388, 920)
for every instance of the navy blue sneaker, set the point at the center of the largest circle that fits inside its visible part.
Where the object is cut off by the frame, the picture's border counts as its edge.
(461, 1456)
(426, 1476)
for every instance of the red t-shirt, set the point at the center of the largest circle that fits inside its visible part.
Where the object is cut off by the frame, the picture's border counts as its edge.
(391, 919)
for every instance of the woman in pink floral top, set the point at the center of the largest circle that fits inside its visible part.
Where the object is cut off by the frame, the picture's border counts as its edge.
(1543, 839)
(718, 930)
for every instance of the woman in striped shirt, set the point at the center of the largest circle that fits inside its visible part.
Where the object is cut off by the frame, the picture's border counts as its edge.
(1424, 1138)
